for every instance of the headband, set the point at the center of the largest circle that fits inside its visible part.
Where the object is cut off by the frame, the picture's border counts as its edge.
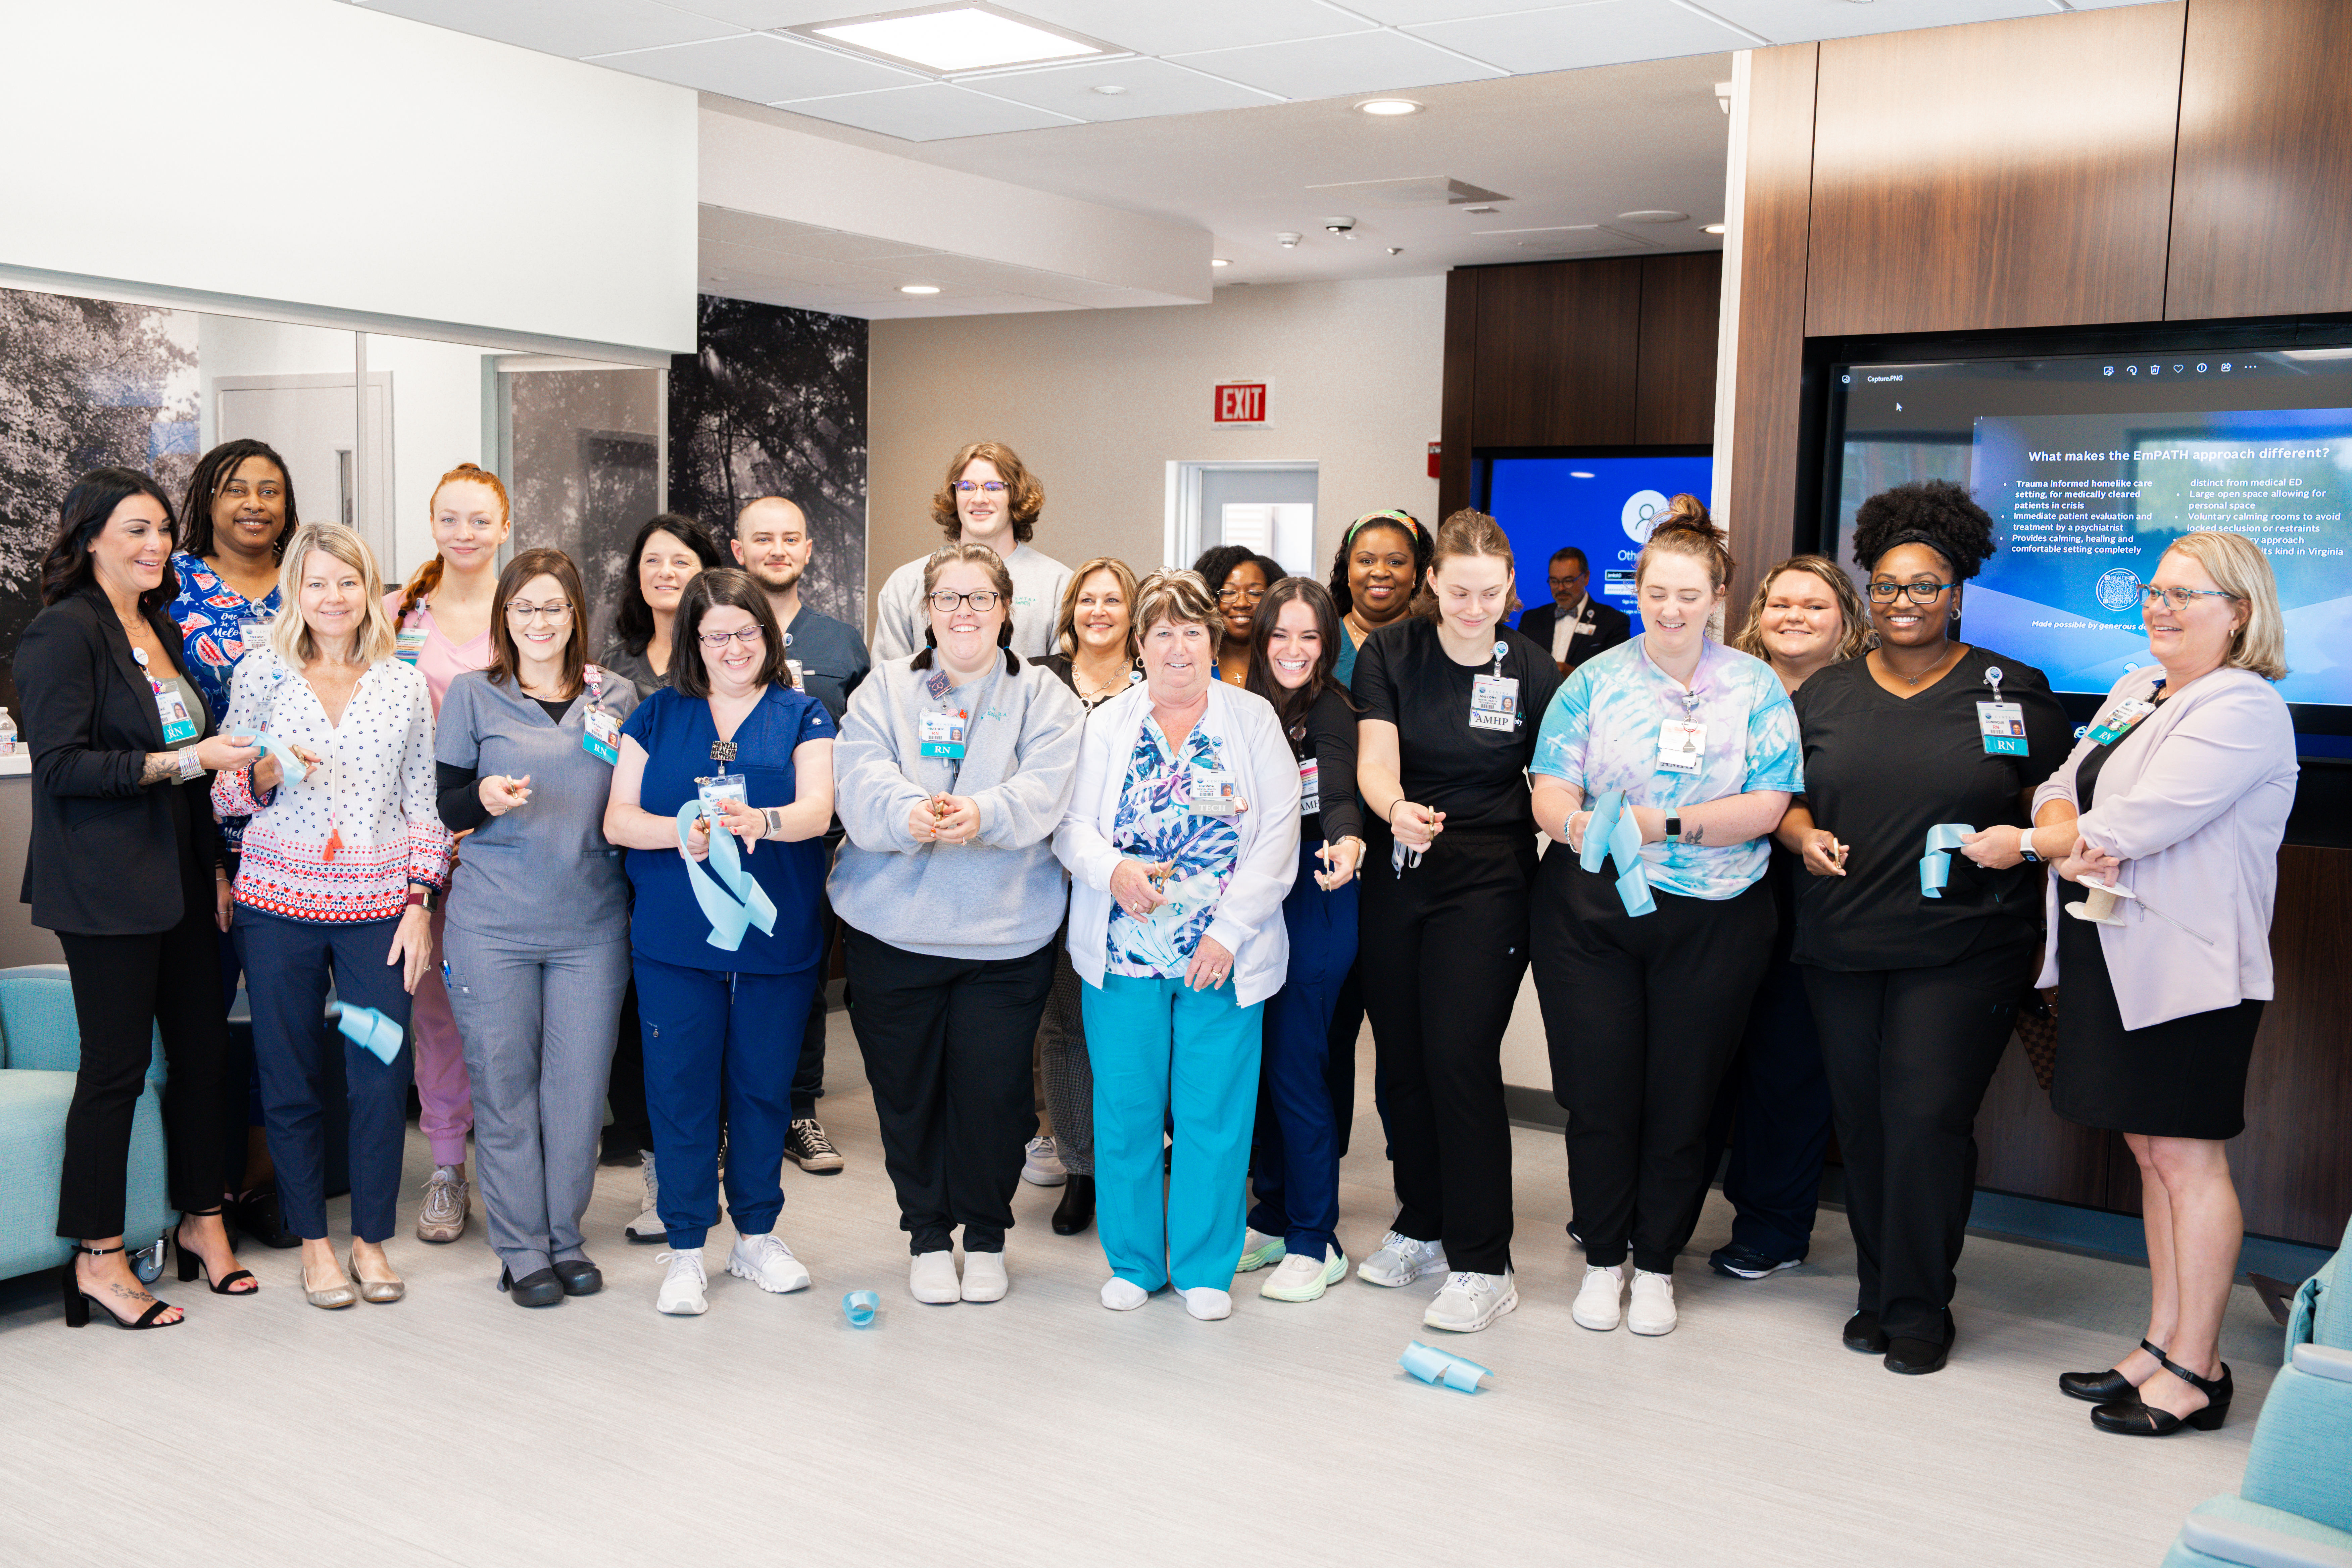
(1412, 524)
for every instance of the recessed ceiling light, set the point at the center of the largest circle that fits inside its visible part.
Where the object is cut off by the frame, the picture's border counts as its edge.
(949, 40)
(1481, 211)
(1387, 108)
(919, 287)
(1110, 89)
(1712, 228)
(1218, 261)
(1654, 215)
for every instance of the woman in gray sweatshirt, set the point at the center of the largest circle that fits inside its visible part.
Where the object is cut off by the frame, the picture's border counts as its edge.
(953, 770)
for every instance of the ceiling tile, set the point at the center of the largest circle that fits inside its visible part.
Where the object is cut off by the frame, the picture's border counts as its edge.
(776, 12)
(759, 66)
(1169, 28)
(568, 27)
(1330, 68)
(1407, 13)
(1153, 87)
(934, 111)
(1597, 33)
(1802, 21)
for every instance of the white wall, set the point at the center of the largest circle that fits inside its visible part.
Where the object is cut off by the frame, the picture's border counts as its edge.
(1099, 402)
(326, 157)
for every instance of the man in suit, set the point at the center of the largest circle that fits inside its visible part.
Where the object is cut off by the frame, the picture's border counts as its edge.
(1575, 626)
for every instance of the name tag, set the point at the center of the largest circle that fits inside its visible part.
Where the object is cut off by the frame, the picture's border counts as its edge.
(170, 708)
(941, 735)
(794, 665)
(2002, 725)
(1214, 793)
(408, 644)
(2122, 722)
(1310, 787)
(1681, 745)
(1495, 702)
(722, 786)
(603, 737)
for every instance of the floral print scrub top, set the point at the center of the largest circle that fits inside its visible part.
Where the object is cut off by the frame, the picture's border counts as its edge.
(217, 622)
(1156, 823)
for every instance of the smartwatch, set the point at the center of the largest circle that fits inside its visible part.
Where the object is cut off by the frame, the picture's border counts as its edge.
(424, 898)
(774, 817)
(2025, 847)
(1674, 828)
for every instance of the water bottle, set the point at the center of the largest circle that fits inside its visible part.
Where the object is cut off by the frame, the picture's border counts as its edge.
(7, 734)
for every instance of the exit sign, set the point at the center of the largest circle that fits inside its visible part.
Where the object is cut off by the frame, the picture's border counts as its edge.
(1239, 402)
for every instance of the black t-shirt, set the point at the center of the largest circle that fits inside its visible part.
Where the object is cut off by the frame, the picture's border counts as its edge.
(1477, 777)
(1880, 771)
(1328, 735)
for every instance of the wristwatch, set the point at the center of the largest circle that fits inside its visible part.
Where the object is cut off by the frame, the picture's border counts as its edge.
(2025, 847)
(1674, 828)
(774, 817)
(421, 897)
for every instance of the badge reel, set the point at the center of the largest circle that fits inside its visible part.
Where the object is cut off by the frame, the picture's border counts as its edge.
(2001, 725)
(1494, 699)
(178, 727)
(1682, 743)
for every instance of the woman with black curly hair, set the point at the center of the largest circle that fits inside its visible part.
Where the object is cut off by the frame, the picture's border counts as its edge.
(1238, 577)
(1381, 559)
(1915, 966)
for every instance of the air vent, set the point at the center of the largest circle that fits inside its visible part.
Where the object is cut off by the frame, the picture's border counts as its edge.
(1424, 191)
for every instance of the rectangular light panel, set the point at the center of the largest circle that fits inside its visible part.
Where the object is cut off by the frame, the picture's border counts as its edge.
(950, 40)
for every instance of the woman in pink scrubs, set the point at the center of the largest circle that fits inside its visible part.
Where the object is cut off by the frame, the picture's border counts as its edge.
(443, 618)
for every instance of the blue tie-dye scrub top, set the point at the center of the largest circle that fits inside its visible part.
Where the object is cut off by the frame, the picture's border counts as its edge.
(1156, 823)
(1601, 733)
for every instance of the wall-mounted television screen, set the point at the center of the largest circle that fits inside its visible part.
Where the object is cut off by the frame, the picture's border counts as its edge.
(1602, 502)
(2091, 465)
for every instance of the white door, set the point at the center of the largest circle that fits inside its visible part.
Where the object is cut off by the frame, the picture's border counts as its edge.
(311, 421)
(1266, 507)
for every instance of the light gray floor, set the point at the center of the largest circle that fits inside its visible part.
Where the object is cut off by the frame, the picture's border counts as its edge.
(457, 1428)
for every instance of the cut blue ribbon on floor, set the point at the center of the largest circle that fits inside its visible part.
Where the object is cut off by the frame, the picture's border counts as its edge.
(1436, 1366)
(1935, 866)
(371, 1030)
(749, 904)
(1613, 835)
(859, 1307)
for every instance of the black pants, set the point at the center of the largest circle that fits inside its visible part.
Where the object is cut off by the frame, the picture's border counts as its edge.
(124, 989)
(1909, 1053)
(1774, 1110)
(948, 1045)
(1641, 1013)
(1443, 945)
(808, 1077)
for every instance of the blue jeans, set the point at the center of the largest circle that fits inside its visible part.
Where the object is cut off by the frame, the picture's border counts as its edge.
(1295, 1165)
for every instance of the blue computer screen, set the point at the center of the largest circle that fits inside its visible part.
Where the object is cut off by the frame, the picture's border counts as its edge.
(1603, 506)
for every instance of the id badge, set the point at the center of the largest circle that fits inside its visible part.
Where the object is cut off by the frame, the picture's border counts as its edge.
(941, 735)
(1310, 787)
(2002, 725)
(1681, 745)
(1495, 702)
(1214, 793)
(601, 739)
(2122, 722)
(177, 726)
(794, 665)
(722, 786)
(408, 645)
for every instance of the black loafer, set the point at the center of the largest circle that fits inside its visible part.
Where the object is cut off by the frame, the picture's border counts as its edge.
(258, 1219)
(1863, 1336)
(1076, 1209)
(580, 1277)
(540, 1288)
(1916, 1358)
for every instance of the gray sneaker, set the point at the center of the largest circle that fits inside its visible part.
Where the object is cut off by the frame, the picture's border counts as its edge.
(445, 1212)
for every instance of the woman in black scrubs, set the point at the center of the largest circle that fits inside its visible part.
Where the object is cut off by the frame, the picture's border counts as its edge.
(1450, 854)
(1914, 992)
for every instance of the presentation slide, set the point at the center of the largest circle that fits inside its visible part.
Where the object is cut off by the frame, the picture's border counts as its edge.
(1604, 506)
(2085, 504)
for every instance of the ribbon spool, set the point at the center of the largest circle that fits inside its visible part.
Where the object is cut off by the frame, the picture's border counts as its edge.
(1436, 1367)
(2099, 906)
(370, 1030)
(1613, 835)
(859, 1307)
(1935, 866)
(737, 904)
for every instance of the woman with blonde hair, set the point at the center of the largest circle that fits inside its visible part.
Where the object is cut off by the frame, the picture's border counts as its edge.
(344, 860)
(443, 621)
(2182, 786)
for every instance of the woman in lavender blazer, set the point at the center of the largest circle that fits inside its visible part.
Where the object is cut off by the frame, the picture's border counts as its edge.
(2182, 786)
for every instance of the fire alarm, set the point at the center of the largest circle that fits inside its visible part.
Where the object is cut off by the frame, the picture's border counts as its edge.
(1432, 459)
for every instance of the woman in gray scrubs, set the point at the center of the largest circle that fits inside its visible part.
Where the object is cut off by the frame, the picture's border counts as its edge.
(525, 750)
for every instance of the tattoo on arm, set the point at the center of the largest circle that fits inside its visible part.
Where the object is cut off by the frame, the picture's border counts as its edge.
(1695, 833)
(161, 767)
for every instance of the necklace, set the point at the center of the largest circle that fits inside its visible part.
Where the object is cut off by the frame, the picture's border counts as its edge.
(1913, 680)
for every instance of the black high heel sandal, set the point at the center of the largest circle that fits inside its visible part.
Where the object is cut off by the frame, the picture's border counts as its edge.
(80, 1301)
(191, 1264)
(2103, 1387)
(2135, 1418)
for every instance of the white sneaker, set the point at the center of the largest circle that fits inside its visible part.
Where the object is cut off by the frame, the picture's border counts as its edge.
(768, 1263)
(1302, 1279)
(1123, 1295)
(1044, 1167)
(931, 1278)
(682, 1287)
(1468, 1302)
(1652, 1311)
(1208, 1303)
(647, 1228)
(1400, 1260)
(1258, 1249)
(1597, 1299)
(983, 1276)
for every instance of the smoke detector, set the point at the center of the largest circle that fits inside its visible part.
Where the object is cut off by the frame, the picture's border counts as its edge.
(1287, 241)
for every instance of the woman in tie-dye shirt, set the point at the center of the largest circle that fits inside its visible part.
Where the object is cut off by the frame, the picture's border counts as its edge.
(1645, 970)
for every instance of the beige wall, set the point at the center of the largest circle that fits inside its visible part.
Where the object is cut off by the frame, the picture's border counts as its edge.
(1099, 402)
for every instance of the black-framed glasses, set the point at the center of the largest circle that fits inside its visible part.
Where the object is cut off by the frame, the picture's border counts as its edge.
(749, 636)
(1241, 596)
(965, 487)
(555, 611)
(1918, 593)
(2150, 595)
(982, 600)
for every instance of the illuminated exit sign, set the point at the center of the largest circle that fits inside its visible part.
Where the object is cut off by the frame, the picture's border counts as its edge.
(1239, 402)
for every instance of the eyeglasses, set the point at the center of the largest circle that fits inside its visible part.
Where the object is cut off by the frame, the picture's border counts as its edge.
(1240, 595)
(1920, 593)
(749, 636)
(2150, 595)
(555, 613)
(983, 600)
(965, 487)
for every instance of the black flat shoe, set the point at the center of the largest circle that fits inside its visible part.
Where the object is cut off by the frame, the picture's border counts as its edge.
(2132, 1418)
(1076, 1209)
(1863, 1336)
(580, 1277)
(2103, 1387)
(540, 1288)
(1916, 1358)
(258, 1219)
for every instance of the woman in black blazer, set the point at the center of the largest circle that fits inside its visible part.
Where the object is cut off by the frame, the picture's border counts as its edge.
(123, 866)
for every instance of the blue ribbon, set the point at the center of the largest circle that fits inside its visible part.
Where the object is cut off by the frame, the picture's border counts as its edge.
(1935, 866)
(728, 916)
(1612, 834)
(371, 1030)
(272, 746)
(1436, 1366)
(859, 1307)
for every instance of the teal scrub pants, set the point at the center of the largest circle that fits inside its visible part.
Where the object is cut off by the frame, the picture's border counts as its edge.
(1158, 1047)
